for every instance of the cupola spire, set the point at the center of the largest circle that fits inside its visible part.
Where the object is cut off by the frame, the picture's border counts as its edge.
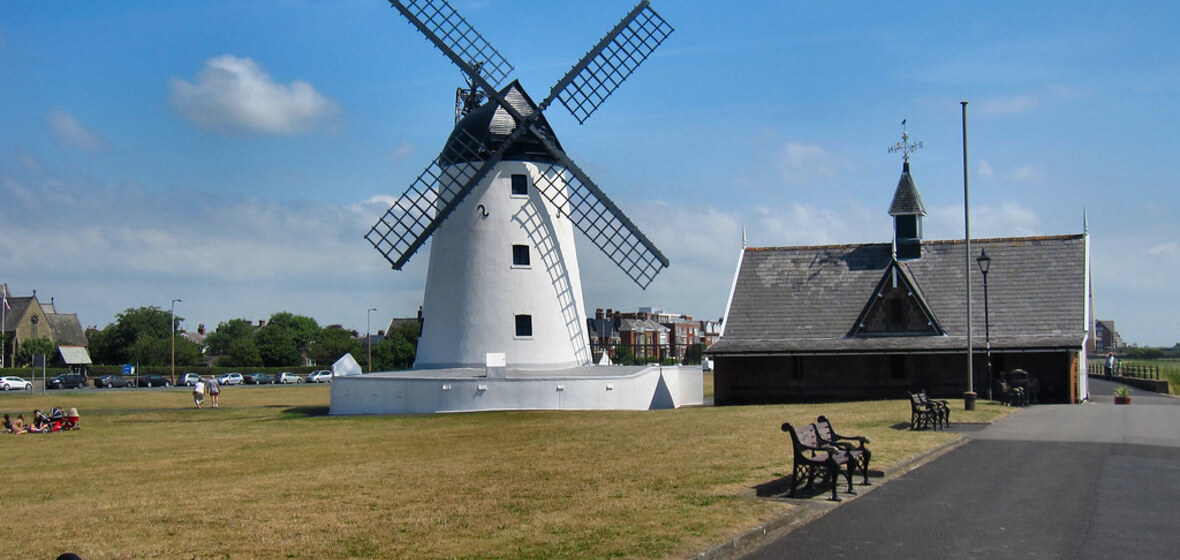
(907, 208)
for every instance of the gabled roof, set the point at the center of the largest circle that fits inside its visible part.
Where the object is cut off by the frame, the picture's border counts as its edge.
(914, 317)
(66, 329)
(907, 201)
(17, 308)
(804, 299)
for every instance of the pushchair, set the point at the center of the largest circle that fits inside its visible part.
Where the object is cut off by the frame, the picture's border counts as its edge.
(60, 420)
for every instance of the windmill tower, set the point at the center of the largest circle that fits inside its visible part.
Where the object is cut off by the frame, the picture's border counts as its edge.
(502, 200)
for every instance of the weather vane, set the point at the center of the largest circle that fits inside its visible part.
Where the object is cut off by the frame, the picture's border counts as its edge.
(905, 147)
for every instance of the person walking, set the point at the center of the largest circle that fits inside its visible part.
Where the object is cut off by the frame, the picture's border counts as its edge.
(199, 392)
(1108, 367)
(214, 391)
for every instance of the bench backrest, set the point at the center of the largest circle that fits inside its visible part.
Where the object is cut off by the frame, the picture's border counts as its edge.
(802, 438)
(823, 428)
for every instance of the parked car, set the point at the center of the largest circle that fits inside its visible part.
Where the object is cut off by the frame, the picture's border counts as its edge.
(112, 380)
(320, 376)
(153, 380)
(258, 379)
(14, 383)
(288, 377)
(67, 381)
(230, 379)
(188, 379)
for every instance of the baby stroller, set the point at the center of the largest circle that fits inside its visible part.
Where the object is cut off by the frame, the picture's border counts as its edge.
(59, 420)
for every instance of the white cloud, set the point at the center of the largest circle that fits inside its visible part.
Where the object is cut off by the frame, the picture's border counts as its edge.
(401, 152)
(1009, 105)
(233, 93)
(101, 249)
(67, 130)
(1009, 219)
(984, 169)
(1025, 173)
(806, 164)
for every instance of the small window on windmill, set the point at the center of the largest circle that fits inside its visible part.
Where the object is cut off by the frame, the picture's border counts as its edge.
(520, 255)
(524, 326)
(520, 185)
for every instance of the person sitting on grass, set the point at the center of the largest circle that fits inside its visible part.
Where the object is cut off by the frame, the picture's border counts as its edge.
(40, 421)
(18, 425)
(7, 424)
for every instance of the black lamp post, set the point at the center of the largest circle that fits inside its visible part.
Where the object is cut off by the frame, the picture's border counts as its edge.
(985, 263)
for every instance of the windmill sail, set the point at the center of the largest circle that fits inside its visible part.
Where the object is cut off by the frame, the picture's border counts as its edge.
(518, 125)
(597, 217)
(602, 70)
(406, 226)
(456, 38)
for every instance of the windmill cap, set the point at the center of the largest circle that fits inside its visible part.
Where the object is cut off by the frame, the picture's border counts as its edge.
(490, 125)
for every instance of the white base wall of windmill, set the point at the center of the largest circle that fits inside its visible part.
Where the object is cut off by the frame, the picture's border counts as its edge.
(473, 390)
(474, 291)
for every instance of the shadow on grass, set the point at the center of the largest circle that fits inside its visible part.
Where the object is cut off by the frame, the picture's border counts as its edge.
(781, 487)
(307, 411)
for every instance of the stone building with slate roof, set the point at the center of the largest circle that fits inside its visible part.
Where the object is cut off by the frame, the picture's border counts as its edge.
(871, 321)
(28, 318)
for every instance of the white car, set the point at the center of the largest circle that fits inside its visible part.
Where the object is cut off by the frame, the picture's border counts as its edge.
(288, 377)
(320, 376)
(12, 383)
(230, 379)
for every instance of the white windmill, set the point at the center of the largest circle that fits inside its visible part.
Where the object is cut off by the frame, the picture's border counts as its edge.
(502, 200)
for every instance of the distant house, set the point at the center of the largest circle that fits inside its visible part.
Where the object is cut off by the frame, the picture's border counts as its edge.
(27, 318)
(1106, 338)
(871, 321)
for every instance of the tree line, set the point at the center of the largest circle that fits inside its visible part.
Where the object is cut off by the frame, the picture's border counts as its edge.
(143, 336)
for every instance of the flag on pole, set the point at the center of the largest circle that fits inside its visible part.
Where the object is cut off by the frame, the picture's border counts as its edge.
(4, 289)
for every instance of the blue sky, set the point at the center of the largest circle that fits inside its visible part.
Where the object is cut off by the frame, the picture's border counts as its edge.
(233, 153)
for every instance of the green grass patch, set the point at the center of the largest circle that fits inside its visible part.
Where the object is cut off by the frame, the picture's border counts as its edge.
(269, 475)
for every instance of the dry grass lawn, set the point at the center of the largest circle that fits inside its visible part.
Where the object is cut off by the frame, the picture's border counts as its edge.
(268, 475)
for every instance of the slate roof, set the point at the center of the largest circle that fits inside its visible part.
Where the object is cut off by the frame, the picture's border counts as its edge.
(67, 329)
(807, 299)
(907, 200)
(18, 306)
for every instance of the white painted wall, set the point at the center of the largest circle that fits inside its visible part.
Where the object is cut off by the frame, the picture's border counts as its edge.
(473, 291)
(402, 393)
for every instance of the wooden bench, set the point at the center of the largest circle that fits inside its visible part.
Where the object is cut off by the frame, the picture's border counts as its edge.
(814, 459)
(943, 407)
(857, 451)
(923, 414)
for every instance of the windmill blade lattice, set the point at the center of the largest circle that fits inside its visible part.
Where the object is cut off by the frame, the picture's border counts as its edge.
(456, 38)
(596, 216)
(590, 82)
(428, 201)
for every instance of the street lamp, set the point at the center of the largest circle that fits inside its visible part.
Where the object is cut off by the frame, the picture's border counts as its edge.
(368, 336)
(985, 263)
(172, 335)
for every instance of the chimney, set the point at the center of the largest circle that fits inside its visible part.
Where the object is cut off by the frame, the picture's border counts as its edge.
(598, 314)
(261, 323)
(201, 329)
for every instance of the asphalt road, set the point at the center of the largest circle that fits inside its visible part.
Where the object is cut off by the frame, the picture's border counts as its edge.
(1052, 481)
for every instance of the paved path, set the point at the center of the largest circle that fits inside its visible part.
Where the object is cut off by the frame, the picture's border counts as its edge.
(1052, 481)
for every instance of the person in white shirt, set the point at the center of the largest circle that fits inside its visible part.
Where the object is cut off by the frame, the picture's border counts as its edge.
(199, 392)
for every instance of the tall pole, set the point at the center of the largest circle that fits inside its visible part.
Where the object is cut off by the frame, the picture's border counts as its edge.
(969, 396)
(172, 335)
(987, 333)
(369, 336)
